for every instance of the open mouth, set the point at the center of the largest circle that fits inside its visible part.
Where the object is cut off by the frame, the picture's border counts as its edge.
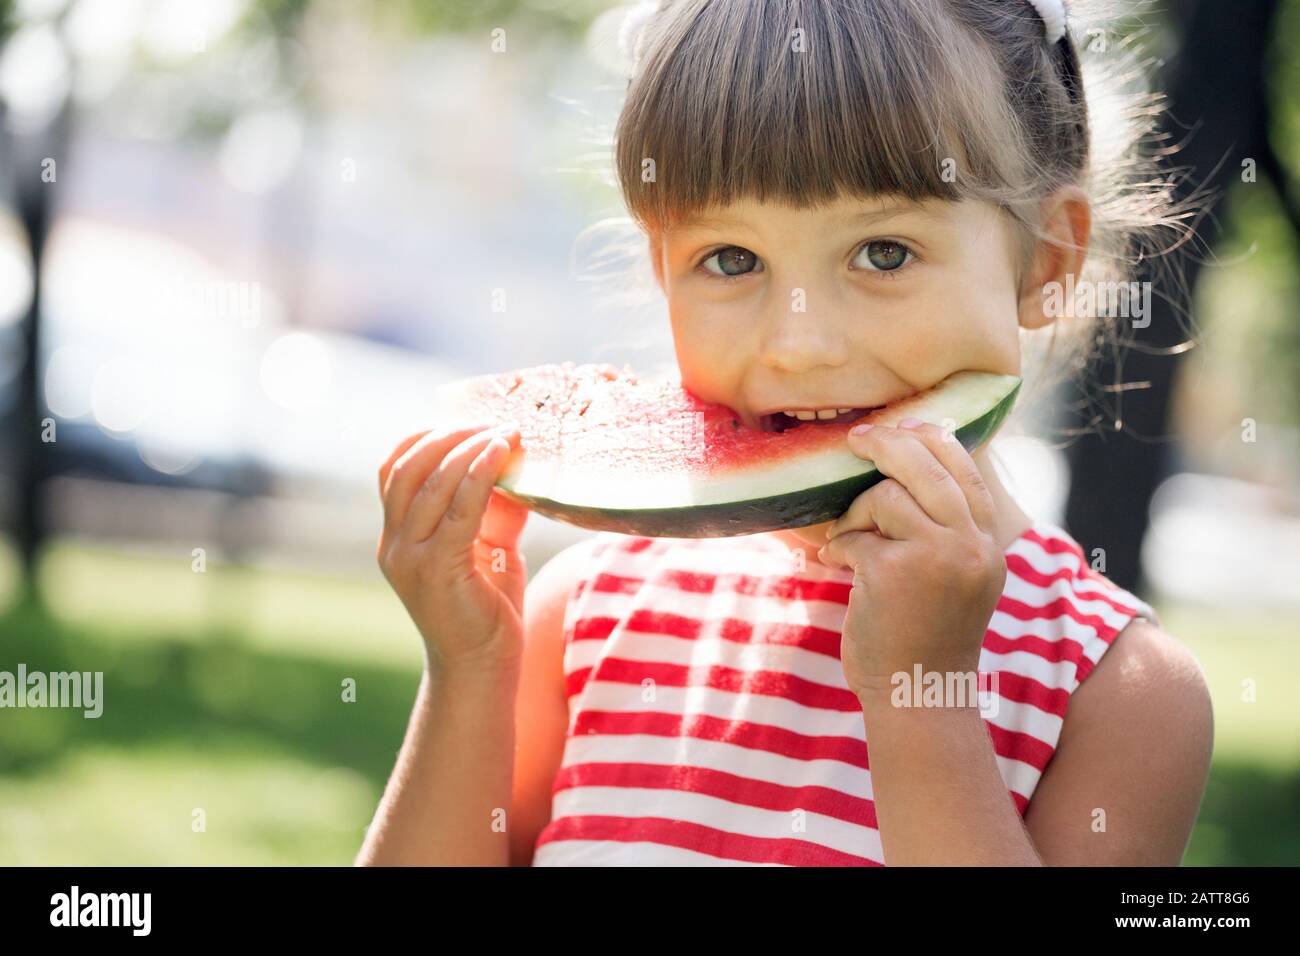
(780, 421)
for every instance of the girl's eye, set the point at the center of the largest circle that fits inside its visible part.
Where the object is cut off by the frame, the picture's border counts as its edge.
(883, 255)
(733, 261)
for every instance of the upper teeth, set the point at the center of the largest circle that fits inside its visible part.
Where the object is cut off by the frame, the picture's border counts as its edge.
(807, 416)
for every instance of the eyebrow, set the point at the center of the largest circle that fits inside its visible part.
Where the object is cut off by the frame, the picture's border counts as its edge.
(859, 218)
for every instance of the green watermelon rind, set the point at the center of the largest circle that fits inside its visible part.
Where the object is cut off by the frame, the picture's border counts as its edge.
(794, 509)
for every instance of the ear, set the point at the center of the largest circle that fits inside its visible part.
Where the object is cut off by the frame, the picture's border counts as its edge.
(1058, 255)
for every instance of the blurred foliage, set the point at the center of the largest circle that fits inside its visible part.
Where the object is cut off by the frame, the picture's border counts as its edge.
(283, 15)
(1281, 350)
(1245, 308)
(212, 88)
(564, 17)
(1284, 86)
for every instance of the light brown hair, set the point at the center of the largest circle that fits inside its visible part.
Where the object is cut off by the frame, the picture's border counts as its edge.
(803, 101)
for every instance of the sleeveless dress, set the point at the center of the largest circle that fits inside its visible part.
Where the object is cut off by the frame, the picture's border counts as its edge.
(710, 722)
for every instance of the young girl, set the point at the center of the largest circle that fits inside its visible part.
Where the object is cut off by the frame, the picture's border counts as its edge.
(845, 201)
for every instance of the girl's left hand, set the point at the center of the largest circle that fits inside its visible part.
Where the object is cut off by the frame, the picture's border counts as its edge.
(928, 570)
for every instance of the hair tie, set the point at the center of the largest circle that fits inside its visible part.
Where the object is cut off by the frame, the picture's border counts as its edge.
(1052, 13)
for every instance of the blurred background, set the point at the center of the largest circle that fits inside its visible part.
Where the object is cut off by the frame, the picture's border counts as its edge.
(242, 242)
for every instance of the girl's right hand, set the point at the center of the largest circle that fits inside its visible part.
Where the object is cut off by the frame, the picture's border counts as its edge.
(449, 547)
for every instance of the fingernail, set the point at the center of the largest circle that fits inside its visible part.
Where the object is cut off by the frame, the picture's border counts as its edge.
(910, 422)
(860, 429)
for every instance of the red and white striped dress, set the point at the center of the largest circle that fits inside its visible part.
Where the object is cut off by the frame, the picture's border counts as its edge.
(710, 722)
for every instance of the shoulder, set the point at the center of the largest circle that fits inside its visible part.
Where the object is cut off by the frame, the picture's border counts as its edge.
(557, 582)
(1145, 705)
(1125, 784)
(554, 582)
(572, 558)
(1149, 679)
(1049, 577)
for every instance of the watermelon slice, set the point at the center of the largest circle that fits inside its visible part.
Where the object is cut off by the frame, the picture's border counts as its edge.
(601, 449)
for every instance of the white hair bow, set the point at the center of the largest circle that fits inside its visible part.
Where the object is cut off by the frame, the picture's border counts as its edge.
(1052, 13)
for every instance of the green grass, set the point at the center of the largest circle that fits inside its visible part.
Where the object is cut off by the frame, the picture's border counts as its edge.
(224, 694)
(344, 618)
(103, 806)
(1251, 660)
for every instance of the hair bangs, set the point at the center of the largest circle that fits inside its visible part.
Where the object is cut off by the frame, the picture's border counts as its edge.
(801, 102)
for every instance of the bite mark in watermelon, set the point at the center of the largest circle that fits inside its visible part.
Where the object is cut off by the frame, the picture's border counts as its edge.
(603, 450)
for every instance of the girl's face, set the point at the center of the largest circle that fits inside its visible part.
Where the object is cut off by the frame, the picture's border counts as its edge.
(851, 305)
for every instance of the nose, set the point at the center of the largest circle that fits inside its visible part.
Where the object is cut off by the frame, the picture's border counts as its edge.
(799, 337)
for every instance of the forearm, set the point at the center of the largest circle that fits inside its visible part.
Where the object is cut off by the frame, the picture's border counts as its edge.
(939, 797)
(446, 800)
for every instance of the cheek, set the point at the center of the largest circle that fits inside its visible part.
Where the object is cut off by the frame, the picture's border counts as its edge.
(994, 322)
(710, 349)
(964, 318)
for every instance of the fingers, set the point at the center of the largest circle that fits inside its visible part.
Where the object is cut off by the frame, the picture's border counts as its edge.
(458, 525)
(503, 521)
(398, 452)
(886, 507)
(901, 454)
(412, 466)
(853, 549)
(441, 496)
(948, 450)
